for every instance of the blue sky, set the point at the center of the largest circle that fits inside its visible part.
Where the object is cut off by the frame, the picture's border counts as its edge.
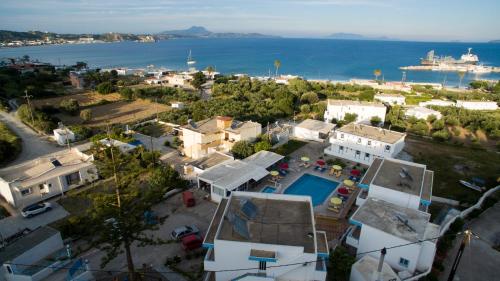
(434, 20)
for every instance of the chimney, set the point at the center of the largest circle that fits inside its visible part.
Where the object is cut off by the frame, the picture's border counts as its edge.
(379, 276)
(224, 122)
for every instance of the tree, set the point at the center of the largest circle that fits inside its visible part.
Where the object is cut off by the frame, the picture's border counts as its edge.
(305, 108)
(105, 88)
(309, 97)
(80, 65)
(277, 65)
(242, 149)
(350, 117)
(377, 73)
(120, 217)
(198, 80)
(420, 128)
(438, 124)
(71, 106)
(441, 135)
(127, 93)
(340, 264)
(375, 121)
(86, 114)
(262, 145)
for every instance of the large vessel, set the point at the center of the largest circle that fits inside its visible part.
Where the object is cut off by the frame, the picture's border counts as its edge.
(465, 59)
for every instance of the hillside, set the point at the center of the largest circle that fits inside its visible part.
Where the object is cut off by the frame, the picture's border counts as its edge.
(202, 32)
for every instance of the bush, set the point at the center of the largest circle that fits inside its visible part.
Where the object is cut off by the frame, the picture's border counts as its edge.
(305, 108)
(441, 135)
(105, 88)
(242, 149)
(127, 94)
(262, 145)
(438, 125)
(375, 121)
(350, 117)
(309, 97)
(70, 106)
(420, 128)
(81, 132)
(86, 115)
(366, 95)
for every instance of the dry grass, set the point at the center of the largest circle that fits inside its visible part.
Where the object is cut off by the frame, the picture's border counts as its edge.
(120, 112)
(84, 99)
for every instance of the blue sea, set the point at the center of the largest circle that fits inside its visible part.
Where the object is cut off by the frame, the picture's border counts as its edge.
(310, 58)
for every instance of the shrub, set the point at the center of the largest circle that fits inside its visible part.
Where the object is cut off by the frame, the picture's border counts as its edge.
(309, 97)
(350, 117)
(420, 128)
(70, 106)
(375, 121)
(441, 135)
(86, 114)
(127, 94)
(305, 108)
(242, 149)
(105, 88)
(262, 145)
(438, 125)
(81, 132)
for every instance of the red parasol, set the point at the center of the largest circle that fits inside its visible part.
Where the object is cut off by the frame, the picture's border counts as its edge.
(343, 191)
(284, 166)
(356, 173)
(320, 162)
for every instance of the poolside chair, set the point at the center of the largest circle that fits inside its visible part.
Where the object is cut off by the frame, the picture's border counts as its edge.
(334, 209)
(322, 169)
(316, 168)
(283, 172)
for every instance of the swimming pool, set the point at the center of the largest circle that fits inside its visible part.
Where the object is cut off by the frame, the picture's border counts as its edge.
(318, 188)
(268, 189)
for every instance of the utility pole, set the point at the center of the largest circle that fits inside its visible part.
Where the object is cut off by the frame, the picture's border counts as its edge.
(27, 97)
(465, 241)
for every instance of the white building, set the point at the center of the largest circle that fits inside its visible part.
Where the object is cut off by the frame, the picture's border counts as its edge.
(337, 110)
(367, 269)
(477, 105)
(362, 143)
(436, 102)
(392, 99)
(37, 180)
(381, 224)
(203, 164)
(37, 255)
(177, 104)
(63, 136)
(422, 112)
(237, 175)
(217, 134)
(180, 80)
(400, 182)
(285, 79)
(314, 130)
(122, 146)
(260, 232)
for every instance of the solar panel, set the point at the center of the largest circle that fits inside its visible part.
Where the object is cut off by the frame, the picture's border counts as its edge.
(239, 225)
(249, 209)
(56, 163)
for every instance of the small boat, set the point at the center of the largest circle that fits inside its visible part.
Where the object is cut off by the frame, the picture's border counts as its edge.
(190, 60)
(471, 185)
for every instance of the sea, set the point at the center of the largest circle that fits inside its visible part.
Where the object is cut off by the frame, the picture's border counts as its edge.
(323, 59)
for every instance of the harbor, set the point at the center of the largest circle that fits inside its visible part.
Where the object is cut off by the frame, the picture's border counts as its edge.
(454, 68)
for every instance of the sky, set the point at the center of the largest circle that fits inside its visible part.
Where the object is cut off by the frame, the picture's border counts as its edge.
(421, 20)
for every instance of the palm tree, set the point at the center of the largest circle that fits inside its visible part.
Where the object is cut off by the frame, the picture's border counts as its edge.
(210, 69)
(461, 75)
(377, 73)
(277, 65)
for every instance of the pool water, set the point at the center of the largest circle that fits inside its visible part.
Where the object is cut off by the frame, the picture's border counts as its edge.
(318, 188)
(268, 189)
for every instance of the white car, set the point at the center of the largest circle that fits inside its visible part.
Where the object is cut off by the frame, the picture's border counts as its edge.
(35, 209)
(182, 231)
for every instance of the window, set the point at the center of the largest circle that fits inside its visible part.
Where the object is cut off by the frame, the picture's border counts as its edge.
(341, 136)
(387, 147)
(262, 265)
(359, 140)
(219, 191)
(369, 142)
(26, 191)
(404, 262)
(367, 155)
(73, 178)
(358, 152)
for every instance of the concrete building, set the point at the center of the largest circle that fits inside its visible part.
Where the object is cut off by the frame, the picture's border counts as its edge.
(180, 80)
(237, 175)
(337, 109)
(477, 105)
(400, 182)
(216, 134)
(382, 224)
(422, 112)
(314, 130)
(367, 269)
(392, 99)
(363, 143)
(37, 255)
(436, 102)
(63, 136)
(260, 232)
(205, 163)
(37, 180)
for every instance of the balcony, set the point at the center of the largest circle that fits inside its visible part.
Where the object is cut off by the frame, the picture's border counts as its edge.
(352, 238)
(362, 197)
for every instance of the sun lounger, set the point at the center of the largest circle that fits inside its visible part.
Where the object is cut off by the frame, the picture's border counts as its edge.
(322, 170)
(283, 172)
(333, 209)
(316, 168)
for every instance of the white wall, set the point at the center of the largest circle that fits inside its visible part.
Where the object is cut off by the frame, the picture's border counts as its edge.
(306, 134)
(399, 100)
(402, 199)
(364, 112)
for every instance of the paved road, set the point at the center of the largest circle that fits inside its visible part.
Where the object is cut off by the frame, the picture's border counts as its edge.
(33, 144)
(479, 261)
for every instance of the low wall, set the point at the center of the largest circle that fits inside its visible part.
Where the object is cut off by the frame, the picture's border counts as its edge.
(445, 201)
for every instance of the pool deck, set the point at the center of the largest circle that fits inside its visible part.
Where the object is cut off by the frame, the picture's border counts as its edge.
(314, 151)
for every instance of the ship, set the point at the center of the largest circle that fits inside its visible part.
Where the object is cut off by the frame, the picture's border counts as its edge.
(466, 59)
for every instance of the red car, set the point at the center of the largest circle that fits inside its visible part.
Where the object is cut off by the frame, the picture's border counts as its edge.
(191, 242)
(188, 198)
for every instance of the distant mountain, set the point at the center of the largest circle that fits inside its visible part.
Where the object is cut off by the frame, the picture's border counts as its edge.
(494, 41)
(202, 32)
(354, 36)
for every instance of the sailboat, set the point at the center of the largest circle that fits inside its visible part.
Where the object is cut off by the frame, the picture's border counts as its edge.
(190, 60)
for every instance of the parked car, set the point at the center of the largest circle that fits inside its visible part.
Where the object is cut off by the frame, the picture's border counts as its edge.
(191, 242)
(182, 231)
(35, 209)
(188, 199)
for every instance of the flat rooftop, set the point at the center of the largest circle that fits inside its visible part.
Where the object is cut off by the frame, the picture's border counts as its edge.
(263, 158)
(233, 174)
(276, 221)
(403, 176)
(26, 243)
(211, 160)
(421, 109)
(390, 218)
(209, 126)
(316, 125)
(374, 133)
(353, 102)
(46, 167)
(367, 266)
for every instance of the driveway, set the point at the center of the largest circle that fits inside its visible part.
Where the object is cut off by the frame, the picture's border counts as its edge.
(33, 144)
(17, 222)
(479, 260)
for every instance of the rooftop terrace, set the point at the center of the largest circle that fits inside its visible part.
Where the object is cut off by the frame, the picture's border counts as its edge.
(371, 132)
